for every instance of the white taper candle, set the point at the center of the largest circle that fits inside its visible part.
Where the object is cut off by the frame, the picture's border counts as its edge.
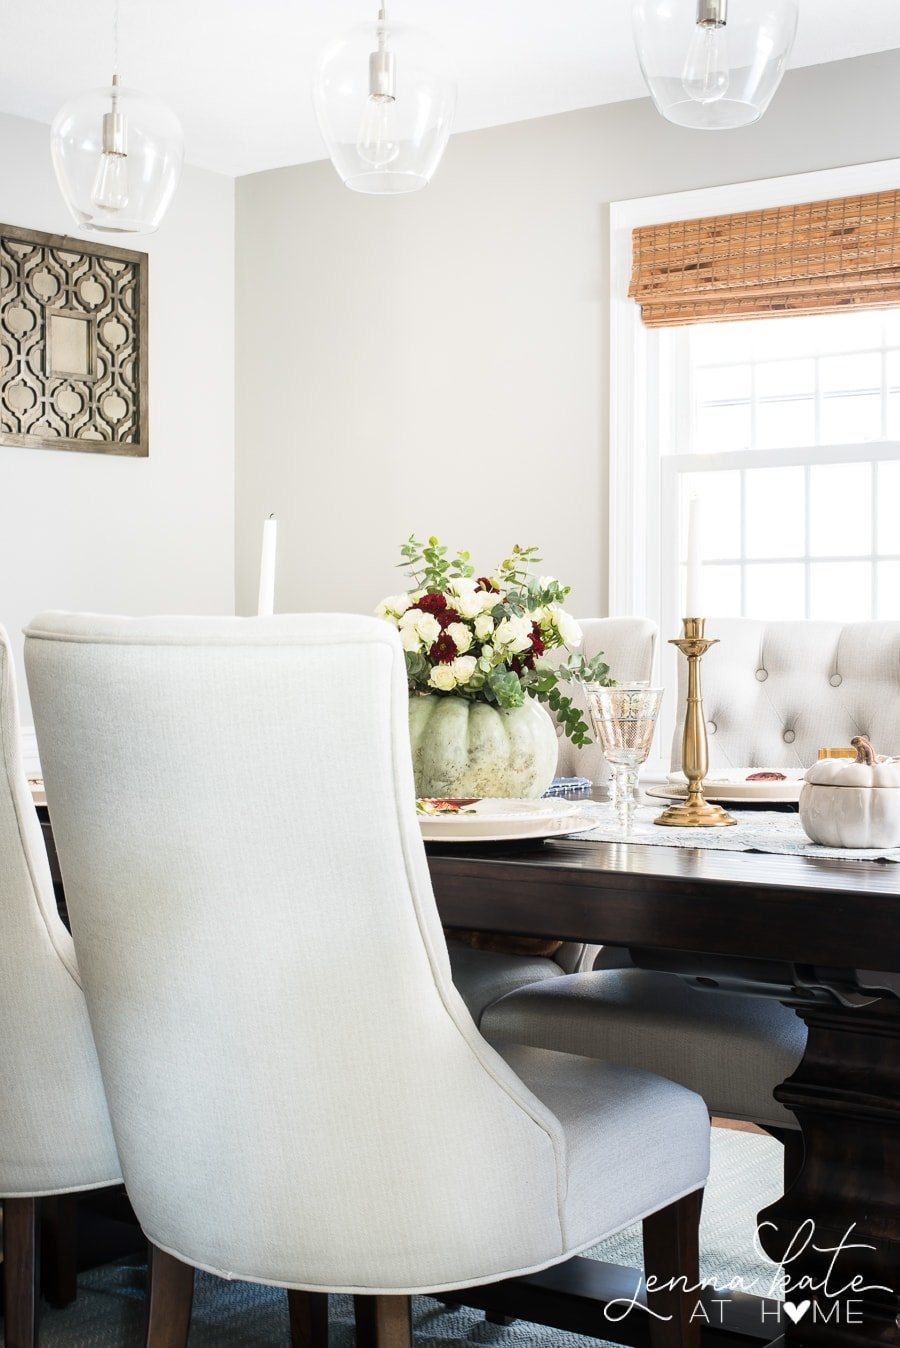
(693, 595)
(266, 605)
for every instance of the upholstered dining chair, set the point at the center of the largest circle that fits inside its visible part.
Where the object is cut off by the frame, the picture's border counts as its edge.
(232, 801)
(55, 1136)
(485, 968)
(773, 694)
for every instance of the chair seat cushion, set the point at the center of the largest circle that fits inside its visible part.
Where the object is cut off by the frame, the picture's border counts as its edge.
(732, 1050)
(634, 1142)
(482, 976)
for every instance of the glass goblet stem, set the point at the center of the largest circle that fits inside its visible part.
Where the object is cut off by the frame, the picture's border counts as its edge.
(625, 785)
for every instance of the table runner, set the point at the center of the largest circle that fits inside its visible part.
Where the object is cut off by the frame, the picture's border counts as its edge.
(755, 831)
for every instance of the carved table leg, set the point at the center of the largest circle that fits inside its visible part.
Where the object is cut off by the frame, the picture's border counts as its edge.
(846, 1096)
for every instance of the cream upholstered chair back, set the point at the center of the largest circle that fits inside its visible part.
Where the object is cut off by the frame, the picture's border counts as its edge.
(55, 1135)
(232, 801)
(628, 646)
(774, 693)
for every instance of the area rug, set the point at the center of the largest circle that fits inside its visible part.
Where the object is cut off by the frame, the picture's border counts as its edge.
(746, 1176)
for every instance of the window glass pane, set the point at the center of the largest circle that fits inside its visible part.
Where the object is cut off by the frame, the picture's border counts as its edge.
(722, 591)
(892, 369)
(891, 319)
(888, 507)
(840, 591)
(720, 429)
(888, 590)
(893, 416)
(711, 342)
(840, 508)
(846, 420)
(850, 374)
(723, 383)
(775, 512)
(847, 332)
(784, 424)
(775, 590)
(774, 378)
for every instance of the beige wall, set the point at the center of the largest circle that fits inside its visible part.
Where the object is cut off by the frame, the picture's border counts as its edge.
(111, 534)
(438, 363)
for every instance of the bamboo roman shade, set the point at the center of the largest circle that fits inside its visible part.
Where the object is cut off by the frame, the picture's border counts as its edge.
(826, 256)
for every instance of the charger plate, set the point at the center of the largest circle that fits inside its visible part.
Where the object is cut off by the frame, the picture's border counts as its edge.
(733, 786)
(492, 820)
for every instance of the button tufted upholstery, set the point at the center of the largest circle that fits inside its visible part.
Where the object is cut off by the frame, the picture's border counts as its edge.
(775, 692)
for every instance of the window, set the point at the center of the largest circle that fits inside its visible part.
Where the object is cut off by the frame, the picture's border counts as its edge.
(790, 435)
(788, 428)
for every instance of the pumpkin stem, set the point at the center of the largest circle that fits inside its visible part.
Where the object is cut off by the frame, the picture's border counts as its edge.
(864, 751)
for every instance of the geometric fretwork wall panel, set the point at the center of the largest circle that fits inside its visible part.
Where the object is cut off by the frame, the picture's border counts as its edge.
(73, 344)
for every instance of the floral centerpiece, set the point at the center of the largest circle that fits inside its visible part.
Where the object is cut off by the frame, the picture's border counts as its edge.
(476, 648)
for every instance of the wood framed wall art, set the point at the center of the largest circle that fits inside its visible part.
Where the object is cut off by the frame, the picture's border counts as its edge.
(73, 344)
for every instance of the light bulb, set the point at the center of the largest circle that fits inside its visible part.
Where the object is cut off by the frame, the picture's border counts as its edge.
(705, 76)
(378, 142)
(110, 189)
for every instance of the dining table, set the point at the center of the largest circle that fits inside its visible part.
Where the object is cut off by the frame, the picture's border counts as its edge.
(822, 935)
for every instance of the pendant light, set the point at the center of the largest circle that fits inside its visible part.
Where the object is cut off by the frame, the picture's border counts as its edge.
(713, 64)
(117, 156)
(385, 96)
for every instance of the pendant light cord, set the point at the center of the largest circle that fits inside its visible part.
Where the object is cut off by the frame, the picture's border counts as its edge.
(116, 5)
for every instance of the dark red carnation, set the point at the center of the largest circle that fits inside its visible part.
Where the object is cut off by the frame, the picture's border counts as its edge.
(537, 641)
(448, 616)
(431, 603)
(485, 583)
(444, 650)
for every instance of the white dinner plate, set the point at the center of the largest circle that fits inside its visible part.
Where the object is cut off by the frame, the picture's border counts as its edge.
(503, 820)
(733, 785)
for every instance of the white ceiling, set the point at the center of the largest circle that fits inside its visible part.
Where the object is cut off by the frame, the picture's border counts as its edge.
(238, 72)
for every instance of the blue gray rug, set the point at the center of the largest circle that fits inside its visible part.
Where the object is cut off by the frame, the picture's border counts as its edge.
(109, 1310)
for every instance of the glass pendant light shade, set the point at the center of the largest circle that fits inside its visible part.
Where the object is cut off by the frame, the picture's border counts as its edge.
(117, 156)
(385, 95)
(713, 64)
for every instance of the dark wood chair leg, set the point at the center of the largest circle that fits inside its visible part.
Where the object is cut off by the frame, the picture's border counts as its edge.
(672, 1256)
(383, 1322)
(59, 1249)
(170, 1297)
(309, 1319)
(21, 1269)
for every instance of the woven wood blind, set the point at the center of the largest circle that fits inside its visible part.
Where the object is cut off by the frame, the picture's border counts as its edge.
(827, 256)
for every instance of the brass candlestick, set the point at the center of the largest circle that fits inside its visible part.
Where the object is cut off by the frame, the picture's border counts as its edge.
(695, 812)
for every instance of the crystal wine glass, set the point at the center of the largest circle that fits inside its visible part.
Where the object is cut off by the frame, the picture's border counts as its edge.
(624, 719)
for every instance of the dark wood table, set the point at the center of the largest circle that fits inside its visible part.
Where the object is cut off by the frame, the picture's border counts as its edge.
(831, 929)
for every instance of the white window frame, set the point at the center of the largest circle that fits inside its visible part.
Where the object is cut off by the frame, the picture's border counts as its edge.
(637, 401)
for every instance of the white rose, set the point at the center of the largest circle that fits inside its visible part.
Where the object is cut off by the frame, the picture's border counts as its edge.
(488, 600)
(428, 627)
(462, 636)
(464, 667)
(487, 652)
(393, 606)
(484, 626)
(567, 627)
(410, 617)
(409, 639)
(442, 677)
(514, 633)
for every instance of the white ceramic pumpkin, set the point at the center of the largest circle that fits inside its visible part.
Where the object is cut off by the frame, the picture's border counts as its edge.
(463, 748)
(852, 802)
